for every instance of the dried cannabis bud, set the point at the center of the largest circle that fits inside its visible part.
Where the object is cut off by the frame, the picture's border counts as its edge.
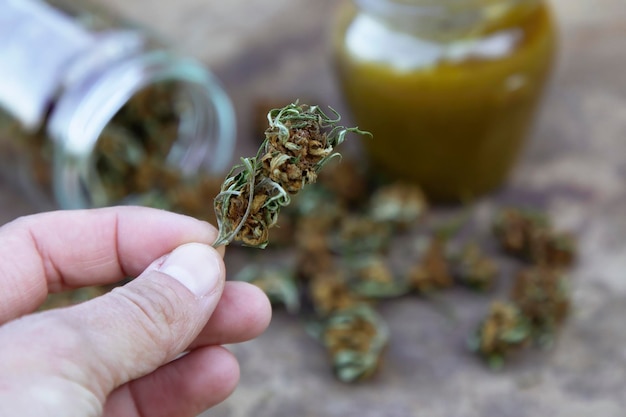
(542, 295)
(358, 233)
(553, 249)
(329, 292)
(505, 329)
(529, 235)
(278, 284)
(400, 204)
(371, 277)
(318, 204)
(474, 268)
(355, 339)
(313, 250)
(432, 270)
(310, 264)
(513, 226)
(346, 181)
(298, 142)
(129, 154)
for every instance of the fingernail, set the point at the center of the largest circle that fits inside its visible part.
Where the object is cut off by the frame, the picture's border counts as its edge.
(196, 266)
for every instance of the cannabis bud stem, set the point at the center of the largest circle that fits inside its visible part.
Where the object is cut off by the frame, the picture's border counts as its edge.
(300, 139)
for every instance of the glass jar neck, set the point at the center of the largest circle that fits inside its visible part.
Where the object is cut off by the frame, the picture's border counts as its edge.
(205, 137)
(442, 19)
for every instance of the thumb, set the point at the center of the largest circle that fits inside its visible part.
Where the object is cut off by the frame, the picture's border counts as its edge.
(136, 328)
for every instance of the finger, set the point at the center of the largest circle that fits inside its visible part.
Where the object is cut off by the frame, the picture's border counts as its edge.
(243, 313)
(125, 334)
(67, 249)
(186, 387)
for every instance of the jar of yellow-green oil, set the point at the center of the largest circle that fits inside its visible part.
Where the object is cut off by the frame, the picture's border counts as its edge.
(449, 88)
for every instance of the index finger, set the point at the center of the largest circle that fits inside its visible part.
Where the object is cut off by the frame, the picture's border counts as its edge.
(61, 250)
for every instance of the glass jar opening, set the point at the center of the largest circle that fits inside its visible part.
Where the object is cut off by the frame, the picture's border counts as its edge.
(148, 117)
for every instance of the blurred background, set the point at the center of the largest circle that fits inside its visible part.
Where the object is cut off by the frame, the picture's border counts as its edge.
(573, 168)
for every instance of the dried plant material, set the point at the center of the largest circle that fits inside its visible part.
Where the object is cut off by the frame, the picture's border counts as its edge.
(136, 159)
(400, 204)
(305, 221)
(473, 268)
(26, 159)
(359, 233)
(279, 284)
(313, 250)
(504, 330)
(355, 339)
(284, 232)
(530, 235)
(317, 202)
(542, 295)
(513, 228)
(131, 150)
(27, 156)
(311, 264)
(298, 142)
(312, 234)
(190, 197)
(432, 270)
(262, 106)
(552, 249)
(329, 292)
(371, 277)
(346, 181)
(343, 269)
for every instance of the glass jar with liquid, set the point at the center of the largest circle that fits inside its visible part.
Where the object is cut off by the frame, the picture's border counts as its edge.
(95, 111)
(449, 88)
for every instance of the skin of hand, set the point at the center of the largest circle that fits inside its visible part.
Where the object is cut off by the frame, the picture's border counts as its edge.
(149, 348)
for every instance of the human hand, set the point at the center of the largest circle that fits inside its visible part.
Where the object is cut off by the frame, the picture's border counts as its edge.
(119, 354)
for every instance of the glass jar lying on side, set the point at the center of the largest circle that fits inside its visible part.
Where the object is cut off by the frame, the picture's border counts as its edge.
(95, 112)
(448, 88)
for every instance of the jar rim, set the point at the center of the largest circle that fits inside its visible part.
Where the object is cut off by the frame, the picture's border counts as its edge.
(81, 114)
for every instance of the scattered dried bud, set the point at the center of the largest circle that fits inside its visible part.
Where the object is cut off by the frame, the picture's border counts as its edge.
(329, 292)
(372, 278)
(355, 339)
(400, 204)
(542, 295)
(346, 181)
(512, 227)
(474, 269)
(278, 284)
(505, 329)
(359, 233)
(319, 203)
(313, 250)
(311, 264)
(432, 271)
(529, 235)
(552, 249)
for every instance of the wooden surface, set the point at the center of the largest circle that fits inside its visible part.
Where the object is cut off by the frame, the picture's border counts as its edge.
(574, 167)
